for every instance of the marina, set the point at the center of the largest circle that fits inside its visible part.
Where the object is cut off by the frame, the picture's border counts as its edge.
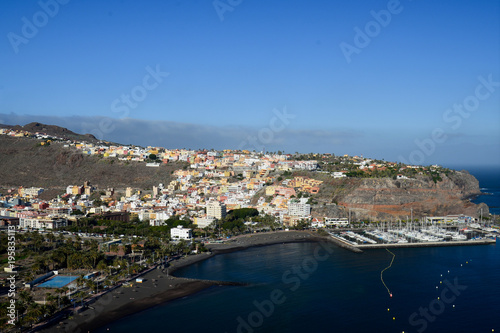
(415, 235)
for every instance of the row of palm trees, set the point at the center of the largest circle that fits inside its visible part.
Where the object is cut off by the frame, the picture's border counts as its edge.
(28, 312)
(49, 252)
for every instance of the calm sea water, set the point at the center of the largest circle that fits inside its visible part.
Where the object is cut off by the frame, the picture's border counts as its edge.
(304, 288)
(489, 181)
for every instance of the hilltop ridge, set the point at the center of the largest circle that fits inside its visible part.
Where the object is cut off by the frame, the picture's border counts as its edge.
(25, 163)
(52, 130)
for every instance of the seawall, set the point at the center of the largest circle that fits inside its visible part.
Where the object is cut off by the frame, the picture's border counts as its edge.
(428, 244)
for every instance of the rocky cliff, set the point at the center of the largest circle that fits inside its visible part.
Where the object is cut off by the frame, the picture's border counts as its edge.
(385, 198)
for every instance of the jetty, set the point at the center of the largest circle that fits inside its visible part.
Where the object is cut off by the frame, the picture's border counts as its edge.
(427, 244)
(343, 242)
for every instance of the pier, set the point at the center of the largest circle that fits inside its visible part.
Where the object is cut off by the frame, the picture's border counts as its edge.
(426, 244)
(358, 248)
(343, 243)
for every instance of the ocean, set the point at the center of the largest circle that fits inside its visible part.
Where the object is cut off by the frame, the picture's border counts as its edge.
(312, 287)
(489, 181)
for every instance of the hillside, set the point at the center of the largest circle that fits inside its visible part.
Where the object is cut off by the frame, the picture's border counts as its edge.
(24, 162)
(52, 130)
(383, 198)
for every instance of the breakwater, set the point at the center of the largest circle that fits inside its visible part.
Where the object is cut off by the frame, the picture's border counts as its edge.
(344, 244)
(427, 244)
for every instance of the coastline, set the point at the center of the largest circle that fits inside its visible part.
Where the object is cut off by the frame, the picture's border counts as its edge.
(160, 287)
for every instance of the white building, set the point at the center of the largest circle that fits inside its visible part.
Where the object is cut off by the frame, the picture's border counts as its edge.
(449, 219)
(181, 233)
(156, 223)
(42, 223)
(32, 191)
(203, 222)
(69, 189)
(216, 209)
(297, 208)
(329, 221)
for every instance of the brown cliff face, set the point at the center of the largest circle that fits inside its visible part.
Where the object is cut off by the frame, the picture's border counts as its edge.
(386, 198)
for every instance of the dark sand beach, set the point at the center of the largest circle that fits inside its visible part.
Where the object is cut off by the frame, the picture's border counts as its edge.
(160, 286)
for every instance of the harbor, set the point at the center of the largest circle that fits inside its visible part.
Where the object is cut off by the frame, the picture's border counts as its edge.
(414, 235)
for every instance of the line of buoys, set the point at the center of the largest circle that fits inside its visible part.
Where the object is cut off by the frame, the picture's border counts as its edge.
(382, 272)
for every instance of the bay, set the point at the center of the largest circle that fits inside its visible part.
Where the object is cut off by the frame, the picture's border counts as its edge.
(339, 291)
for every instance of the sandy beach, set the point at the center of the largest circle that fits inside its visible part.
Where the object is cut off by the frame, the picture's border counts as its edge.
(160, 286)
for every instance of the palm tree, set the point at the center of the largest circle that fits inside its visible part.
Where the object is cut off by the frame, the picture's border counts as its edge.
(80, 281)
(90, 284)
(25, 301)
(33, 313)
(101, 266)
(58, 258)
(51, 239)
(87, 262)
(46, 310)
(94, 255)
(49, 298)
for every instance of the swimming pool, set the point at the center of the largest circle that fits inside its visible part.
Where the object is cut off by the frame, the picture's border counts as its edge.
(58, 281)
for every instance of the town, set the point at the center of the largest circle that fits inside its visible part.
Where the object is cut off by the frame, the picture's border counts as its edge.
(85, 240)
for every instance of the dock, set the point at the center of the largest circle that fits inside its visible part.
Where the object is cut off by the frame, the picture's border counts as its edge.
(358, 248)
(427, 244)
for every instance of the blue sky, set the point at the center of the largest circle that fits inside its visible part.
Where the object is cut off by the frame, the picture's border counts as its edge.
(227, 68)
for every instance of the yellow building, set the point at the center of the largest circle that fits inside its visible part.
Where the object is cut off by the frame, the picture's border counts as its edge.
(270, 190)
